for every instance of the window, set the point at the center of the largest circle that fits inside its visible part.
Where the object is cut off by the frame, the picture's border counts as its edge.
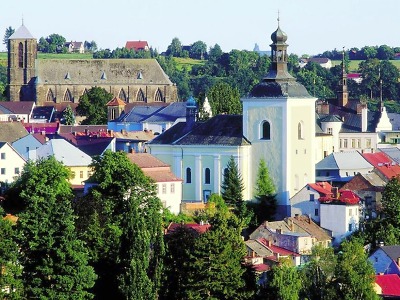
(21, 55)
(188, 175)
(266, 131)
(300, 131)
(16, 171)
(329, 130)
(350, 227)
(316, 212)
(81, 174)
(340, 143)
(312, 197)
(358, 143)
(353, 143)
(350, 212)
(172, 188)
(207, 176)
(3, 171)
(296, 182)
(3, 155)
(157, 188)
(345, 143)
(368, 143)
(27, 149)
(164, 188)
(73, 174)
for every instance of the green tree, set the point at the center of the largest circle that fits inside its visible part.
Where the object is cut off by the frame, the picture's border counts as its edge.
(232, 185)
(54, 261)
(391, 202)
(69, 118)
(354, 274)
(175, 48)
(9, 32)
(54, 43)
(92, 105)
(198, 50)
(10, 283)
(215, 53)
(120, 219)
(284, 283)
(224, 99)
(216, 271)
(385, 52)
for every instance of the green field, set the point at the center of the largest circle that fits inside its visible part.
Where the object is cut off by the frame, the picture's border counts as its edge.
(187, 63)
(354, 64)
(3, 56)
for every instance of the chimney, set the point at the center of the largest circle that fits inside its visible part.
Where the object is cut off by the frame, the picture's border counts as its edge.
(335, 192)
(364, 118)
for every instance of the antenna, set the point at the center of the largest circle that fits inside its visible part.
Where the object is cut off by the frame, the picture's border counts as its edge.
(278, 18)
(22, 19)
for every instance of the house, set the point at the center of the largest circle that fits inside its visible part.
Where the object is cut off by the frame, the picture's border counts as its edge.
(132, 141)
(386, 260)
(340, 167)
(137, 45)
(169, 187)
(340, 214)
(77, 47)
(357, 77)
(306, 201)
(48, 129)
(322, 61)
(11, 164)
(42, 114)
(12, 131)
(369, 187)
(383, 164)
(199, 228)
(388, 286)
(16, 111)
(73, 158)
(29, 142)
(392, 152)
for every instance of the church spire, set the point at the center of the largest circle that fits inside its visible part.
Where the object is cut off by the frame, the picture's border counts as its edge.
(343, 94)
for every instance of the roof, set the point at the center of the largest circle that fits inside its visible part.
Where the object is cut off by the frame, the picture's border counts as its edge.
(47, 128)
(21, 33)
(319, 60)
(392, 251)
(136, 45)
(140, 136)
(390, 284)
(347, 160)
(392, 152)
(63, 151)
(138, 113)
(116, 102)
(199, 228)
(277, 89)
(12, 131)
(305, 224)
(80, 71)
(258, 247)
(42, 113)
(92, 143)
(323, 187)
(19, 107)
(276, 249)
(383, 164)
(81, 128)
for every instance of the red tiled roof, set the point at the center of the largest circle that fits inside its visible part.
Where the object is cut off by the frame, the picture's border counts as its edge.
(390, 284)
(260, 268)
(383, 164)
(146, 160)
(136, 45)
(197, 227)
(276, 249)
(48, 128)
(116, 102)
(19, 107)
(345, 197)
(321, 187)
(353, 75)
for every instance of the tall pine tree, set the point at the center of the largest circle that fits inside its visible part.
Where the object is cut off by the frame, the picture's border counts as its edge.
(232, 185)
(54, 261)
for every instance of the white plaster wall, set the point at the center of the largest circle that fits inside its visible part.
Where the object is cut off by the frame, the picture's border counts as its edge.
(300, 204)
(171, 199)
(12, 161)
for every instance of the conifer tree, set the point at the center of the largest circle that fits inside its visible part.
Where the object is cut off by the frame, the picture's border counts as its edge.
(54, 261)
(232, 185)
(69, 116)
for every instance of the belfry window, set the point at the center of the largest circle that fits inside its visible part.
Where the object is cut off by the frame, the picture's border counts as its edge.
(207, 176)
(21, 55)
(266, 131)
(300, 131)
(188, 175)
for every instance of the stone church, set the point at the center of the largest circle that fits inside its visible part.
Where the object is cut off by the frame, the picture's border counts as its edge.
(49, 81)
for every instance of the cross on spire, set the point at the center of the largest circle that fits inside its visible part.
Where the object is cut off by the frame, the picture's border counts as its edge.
(278, 17)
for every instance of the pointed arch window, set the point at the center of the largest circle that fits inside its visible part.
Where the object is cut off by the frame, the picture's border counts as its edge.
(207, 176)
(21, 55)
(140, 96)
(122, 95)
(68, 96)
(50, 96)
(158, 97)
(188, 175)
(300, 131)
(265, 130)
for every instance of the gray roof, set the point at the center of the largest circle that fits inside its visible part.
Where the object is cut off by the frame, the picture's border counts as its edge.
(258, 248)
(63, 151)
(138, 114)
(12, 131)
(395, 120)
(348, 160)
(331, 118)
(169, 113)
(392, 251)
(392, 152)
(102, 71)
(219, 130)
(277, 89)
(21, 33)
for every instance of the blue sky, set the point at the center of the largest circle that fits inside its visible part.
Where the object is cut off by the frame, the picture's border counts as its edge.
(312, 26)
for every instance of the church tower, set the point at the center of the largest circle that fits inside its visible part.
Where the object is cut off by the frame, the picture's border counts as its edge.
(343, 94)
(22, 53)
(279, 121)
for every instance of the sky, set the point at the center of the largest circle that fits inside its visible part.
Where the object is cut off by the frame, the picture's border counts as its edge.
(312, 26)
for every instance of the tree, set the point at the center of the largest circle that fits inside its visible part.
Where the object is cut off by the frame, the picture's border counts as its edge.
(175, 48)
(69, 118)
(90, 46)
(385, 52)
(54, 43)
(9, 32)
(232, 185)
(284, 283)
(354, 274)
(54, 261)
(122, 224)
(92, 105)
(10, 283)
(215, 53)
(224, 99)
(215, 265)
(198, 49)
(391, 202)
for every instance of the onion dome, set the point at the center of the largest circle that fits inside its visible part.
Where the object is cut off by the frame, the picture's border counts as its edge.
(191, 102)
(278, 36)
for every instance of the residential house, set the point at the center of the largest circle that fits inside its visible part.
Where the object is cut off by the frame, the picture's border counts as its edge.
(383, 164)
(132, 141)
(306, 201)
(11, 164)
(73, 158)
(386, 260)
(393, 152)
(12, 131)
(16, 111)
(137, 45)
(77, 47)
(339, 167)
(356, 77)
(48, 129)
(42, 114)
(169, 187)
(369, 187)
(324, 62)
(340, 214)
(387, 286)
(29, 142)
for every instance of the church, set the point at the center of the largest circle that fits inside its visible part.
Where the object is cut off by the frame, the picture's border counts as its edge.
(277, 125)
(49, 81)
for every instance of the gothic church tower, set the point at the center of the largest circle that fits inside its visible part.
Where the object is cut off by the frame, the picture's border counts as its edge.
(279, 121)
(22, 53)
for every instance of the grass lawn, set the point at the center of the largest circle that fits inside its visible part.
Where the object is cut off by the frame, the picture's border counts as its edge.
(354, 64)
(187, 62)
